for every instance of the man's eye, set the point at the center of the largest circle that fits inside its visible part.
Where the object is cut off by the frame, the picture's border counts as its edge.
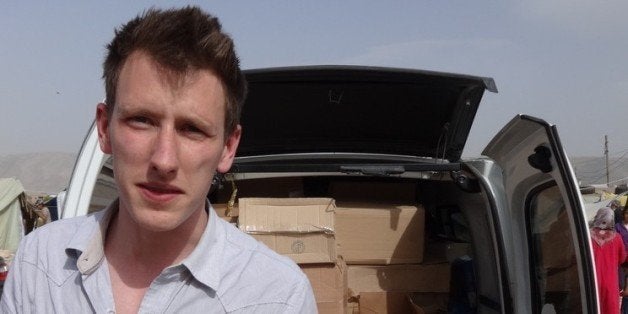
(192, 130)
(139, 120)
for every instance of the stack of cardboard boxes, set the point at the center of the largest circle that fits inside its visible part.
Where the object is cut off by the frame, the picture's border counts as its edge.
(359, 257)
(383, 246)
(304, 230)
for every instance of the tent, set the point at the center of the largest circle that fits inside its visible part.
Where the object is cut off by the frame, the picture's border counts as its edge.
(11, 228)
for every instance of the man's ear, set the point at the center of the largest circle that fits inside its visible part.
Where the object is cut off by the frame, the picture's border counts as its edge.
(102, 123)
(229, 151)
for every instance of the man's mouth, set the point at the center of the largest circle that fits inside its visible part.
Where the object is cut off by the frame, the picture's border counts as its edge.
(159, 192)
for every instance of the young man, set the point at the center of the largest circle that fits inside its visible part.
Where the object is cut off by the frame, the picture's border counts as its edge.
(173, 96)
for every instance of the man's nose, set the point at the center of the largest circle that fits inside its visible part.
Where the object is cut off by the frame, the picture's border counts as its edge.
(164, 159)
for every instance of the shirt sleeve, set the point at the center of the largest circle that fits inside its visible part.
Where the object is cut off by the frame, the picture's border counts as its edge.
(303, 301)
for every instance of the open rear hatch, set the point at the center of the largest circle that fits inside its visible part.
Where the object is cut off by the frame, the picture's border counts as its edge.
(334, 111)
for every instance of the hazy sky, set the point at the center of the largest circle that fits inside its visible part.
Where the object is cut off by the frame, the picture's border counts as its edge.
(565, 61)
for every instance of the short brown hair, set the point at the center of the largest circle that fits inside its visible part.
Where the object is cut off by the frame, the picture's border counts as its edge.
(180, 40)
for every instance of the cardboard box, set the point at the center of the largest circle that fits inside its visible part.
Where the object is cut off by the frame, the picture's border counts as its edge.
(300, 228)
(380, 234)
(329, 282)
(383, 302)
(398, 278)
(353, 307)
(402, 302)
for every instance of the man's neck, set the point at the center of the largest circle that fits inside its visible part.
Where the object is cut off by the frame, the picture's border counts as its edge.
(136, 256)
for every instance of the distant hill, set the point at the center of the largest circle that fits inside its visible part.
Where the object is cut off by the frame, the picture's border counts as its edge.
(592, 170)
(39, 172)
(50, 172)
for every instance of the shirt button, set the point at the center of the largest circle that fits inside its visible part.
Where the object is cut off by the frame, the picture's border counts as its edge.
(111, 312)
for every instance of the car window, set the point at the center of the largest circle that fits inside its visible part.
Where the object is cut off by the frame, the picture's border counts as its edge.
(553, 262)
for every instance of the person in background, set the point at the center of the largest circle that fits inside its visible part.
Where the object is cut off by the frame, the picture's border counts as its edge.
(622, 227)
(174, 92)
(609, 253)
(615, 205)
(622, 230)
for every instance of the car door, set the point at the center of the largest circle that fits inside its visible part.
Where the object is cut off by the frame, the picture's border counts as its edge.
(547, 255)
(81, 195)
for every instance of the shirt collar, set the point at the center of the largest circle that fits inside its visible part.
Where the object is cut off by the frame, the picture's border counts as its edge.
(90, 238)
(204, 263)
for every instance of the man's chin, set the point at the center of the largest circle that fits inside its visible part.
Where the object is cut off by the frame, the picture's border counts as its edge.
(157, 222)
(148, 217)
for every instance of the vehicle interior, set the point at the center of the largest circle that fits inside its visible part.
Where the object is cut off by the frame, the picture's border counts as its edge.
(456, 225)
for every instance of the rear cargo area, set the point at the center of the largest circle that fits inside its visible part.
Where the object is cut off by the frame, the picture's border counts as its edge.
(372, 245)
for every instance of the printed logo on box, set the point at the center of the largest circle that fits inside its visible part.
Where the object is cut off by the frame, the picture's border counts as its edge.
(298, 247)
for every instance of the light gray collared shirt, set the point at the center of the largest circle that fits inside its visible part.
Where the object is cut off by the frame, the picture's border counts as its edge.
(61, 268)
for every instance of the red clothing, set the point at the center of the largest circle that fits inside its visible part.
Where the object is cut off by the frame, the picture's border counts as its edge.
(608, 257)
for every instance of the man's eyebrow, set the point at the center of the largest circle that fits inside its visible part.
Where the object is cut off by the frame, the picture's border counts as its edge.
(126, 111)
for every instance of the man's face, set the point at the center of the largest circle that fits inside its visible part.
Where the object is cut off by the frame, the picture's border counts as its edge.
(167, 138)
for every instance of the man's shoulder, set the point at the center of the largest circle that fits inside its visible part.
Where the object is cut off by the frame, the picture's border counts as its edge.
(60, 231)
(254, 274)
(45, 247)
(52, 239)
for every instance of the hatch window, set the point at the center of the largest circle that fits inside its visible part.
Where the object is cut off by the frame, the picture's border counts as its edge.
(553, 263)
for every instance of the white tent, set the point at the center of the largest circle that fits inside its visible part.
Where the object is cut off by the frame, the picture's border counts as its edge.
(11, 227)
